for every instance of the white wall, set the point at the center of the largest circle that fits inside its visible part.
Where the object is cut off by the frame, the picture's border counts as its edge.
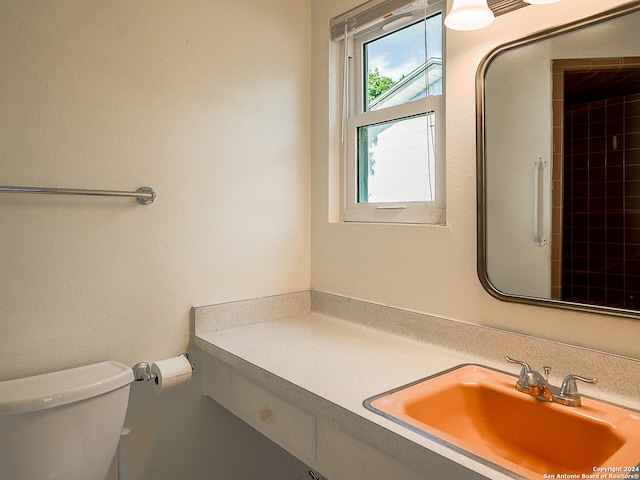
(208, 103)
(427, 268)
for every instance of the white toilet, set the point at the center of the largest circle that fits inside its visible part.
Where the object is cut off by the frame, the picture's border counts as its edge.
(63, 425)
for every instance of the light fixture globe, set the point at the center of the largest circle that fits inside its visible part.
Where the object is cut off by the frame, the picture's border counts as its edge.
(469, 15)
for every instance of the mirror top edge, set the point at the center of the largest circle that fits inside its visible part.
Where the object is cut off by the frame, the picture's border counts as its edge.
(547, 33)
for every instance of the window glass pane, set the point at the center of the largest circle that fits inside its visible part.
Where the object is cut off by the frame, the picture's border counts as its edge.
(404, 65)
(396, 161)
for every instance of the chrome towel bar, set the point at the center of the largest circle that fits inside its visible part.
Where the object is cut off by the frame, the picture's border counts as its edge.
(144, 195)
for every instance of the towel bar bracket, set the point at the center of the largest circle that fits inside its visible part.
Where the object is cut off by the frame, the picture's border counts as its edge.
(147, 199)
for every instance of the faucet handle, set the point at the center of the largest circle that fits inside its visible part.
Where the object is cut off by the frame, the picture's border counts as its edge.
(525, 366)
(523, 381)
(569, 387)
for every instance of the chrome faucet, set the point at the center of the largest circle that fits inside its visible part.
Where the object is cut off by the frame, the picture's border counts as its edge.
(534, 384)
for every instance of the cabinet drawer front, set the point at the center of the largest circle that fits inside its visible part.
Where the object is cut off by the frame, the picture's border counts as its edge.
(289, 426)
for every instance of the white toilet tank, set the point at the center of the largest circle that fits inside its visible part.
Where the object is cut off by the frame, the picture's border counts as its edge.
(63, 425)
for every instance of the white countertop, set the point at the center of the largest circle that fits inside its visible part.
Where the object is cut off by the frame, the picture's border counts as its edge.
(340, 363)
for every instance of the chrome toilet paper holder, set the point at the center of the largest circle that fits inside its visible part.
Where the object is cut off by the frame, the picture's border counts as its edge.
(142, 370)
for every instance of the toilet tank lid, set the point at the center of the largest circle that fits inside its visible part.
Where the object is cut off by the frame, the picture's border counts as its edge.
(54, 389)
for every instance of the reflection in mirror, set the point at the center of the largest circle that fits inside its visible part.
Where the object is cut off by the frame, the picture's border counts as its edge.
(596, 212)
(559, 166)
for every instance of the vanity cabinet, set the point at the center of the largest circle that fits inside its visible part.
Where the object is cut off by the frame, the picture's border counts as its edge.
(317, 441)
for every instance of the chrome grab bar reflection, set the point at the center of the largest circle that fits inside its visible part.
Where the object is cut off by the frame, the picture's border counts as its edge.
(538, 196)
(144, 195)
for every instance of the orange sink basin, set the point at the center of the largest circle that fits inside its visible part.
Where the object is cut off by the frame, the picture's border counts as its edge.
(477, 410)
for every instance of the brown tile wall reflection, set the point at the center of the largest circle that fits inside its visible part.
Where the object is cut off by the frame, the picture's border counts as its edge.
(601, 219)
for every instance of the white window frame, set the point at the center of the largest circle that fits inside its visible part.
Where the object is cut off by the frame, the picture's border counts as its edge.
(432, 212)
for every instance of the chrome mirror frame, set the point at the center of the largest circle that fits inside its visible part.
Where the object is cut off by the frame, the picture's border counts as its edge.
(481, 167)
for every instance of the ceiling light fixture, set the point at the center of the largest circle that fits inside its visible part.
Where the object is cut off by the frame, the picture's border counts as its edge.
(470, 15)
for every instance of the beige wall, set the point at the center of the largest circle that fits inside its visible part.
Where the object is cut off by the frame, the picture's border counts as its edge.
(425, 268)
(208, 103)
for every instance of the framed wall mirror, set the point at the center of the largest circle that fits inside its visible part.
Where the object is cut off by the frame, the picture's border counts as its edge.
(558, 118)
